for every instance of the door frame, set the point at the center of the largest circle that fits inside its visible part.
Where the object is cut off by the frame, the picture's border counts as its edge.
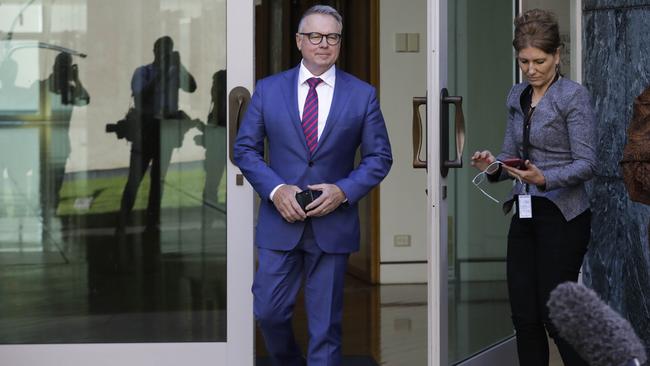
(437, 230)
(241, 202)
(239, 347)
(437, 269)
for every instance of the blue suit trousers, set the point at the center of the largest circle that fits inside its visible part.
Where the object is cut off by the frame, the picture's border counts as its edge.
(277, 281)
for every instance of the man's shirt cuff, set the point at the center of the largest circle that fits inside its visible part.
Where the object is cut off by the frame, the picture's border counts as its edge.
(275, 189)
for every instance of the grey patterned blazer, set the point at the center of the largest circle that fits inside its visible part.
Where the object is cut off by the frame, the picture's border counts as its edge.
(562, 144)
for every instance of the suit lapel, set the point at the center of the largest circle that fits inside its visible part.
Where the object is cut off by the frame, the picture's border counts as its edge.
(290, 91)
(339, 101)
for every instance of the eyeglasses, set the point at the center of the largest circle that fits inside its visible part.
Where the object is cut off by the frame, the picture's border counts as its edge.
(480, 178)
(316, 38)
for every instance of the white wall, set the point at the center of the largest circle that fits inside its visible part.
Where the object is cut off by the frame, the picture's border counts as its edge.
(403, 198)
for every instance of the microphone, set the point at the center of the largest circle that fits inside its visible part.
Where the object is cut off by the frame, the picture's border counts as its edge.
(598, 334)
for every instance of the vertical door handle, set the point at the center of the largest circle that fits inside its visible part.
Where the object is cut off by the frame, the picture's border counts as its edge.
(445, 101)
(238, 100)
(418, 133)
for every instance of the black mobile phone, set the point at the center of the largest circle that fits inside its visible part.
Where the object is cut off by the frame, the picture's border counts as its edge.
(306, 197)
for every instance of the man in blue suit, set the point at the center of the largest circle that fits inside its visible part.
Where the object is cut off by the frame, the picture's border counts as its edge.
(314, 118)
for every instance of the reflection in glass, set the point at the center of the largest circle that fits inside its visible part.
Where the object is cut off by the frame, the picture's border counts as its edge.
(112, 239)
(479, 311)
(155, 127)
(213, 139)
(17, 77)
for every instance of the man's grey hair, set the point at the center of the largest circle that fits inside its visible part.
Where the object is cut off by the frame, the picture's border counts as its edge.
(321, 9)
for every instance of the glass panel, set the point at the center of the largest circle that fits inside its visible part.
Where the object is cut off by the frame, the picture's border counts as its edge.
(562, 10)
(481, 70)
(112, 153)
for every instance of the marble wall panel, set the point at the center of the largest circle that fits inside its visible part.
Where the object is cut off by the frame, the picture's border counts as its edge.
(612, 4)
(616, 64)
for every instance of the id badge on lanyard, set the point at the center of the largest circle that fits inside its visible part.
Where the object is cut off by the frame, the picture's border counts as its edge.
(524, 206)
(524, 201)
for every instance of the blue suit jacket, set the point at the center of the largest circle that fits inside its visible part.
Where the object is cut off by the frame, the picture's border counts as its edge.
(354, 121)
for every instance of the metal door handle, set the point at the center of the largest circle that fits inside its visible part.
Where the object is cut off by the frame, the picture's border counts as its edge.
(445, 101)
(417, 133)
(238, 100)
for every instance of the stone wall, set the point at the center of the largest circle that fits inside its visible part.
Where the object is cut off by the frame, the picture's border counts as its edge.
(616, 64)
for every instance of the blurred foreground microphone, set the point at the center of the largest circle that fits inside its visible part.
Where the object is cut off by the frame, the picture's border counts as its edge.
(600, 335)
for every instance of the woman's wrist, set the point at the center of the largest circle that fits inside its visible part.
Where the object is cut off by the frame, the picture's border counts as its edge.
(541, 185)
(494, 176)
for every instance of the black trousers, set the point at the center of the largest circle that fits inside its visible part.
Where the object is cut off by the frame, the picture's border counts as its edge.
(542, 253)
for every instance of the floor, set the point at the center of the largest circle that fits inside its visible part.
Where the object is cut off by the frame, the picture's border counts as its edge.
(168, 285)
(386, 325)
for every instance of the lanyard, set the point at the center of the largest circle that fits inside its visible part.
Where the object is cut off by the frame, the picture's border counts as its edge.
(526, 101)
(526, 139)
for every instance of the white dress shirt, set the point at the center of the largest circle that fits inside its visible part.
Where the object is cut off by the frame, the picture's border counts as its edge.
(325, 91)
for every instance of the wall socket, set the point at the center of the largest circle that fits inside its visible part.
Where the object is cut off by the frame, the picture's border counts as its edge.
(403, 240)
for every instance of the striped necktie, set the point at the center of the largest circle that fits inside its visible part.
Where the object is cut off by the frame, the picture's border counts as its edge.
(310, 115)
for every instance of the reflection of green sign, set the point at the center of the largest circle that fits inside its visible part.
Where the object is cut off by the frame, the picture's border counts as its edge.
(183, 187)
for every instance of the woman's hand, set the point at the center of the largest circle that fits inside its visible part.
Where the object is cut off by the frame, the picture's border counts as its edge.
(481, 159)
(530, 175)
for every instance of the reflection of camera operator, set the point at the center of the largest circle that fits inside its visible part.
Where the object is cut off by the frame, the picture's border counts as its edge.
(213, 138)
(155, 92)
(65, 92)
(65, 82)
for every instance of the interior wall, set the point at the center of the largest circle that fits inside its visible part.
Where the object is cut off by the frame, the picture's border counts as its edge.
(403, 197)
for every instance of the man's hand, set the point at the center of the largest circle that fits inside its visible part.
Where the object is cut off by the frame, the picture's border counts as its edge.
(329, 200)
(285, 202)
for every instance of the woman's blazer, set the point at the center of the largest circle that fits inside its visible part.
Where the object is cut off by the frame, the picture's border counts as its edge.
(562, 144)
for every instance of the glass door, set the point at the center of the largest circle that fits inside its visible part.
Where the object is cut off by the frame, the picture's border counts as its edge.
(125, 230)
(481, 69)
(470, 70)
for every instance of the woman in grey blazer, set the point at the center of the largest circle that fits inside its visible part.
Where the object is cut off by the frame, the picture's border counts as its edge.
(548, 150)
